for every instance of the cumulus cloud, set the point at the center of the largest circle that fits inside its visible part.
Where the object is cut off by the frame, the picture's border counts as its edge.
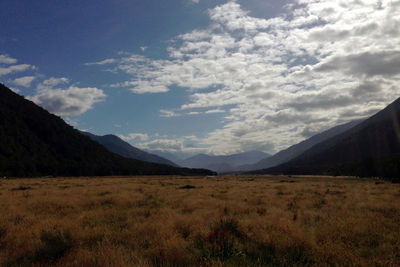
(24, 81)
(134, 137)
(282, 78)
(182, 146)
(15, 68)
(54, 94)
(367, 64)
(5, 59)
(164, 145)
(51, 82)
(71, 101)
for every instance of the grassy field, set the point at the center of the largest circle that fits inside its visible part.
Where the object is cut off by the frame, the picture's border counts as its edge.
(184, 221)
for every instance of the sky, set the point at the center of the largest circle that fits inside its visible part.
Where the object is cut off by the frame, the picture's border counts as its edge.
(203, 76)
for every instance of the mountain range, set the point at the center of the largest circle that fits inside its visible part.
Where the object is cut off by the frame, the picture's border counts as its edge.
(297, 149)
(370, 148)
(256, 160)
(167, 155)
(118, 146)
(34, 142)
(223, 164)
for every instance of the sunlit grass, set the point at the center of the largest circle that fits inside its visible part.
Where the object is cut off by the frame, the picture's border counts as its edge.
(181, 221)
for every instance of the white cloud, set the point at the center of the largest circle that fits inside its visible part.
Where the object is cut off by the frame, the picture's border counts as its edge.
(5, 59)
(51, 82)
(15, 68)
(194, 1)
(103, 62)
(71, 101)
(143, 87)
(143, 48)
(168, 113)
(163, 145)
(54, 94)
(174, 113)
(24, 81)
(134, 137)
(278, 78)
(213, 111)
(183, 145)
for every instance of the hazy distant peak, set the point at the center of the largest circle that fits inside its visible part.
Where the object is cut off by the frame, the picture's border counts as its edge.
(223, 163)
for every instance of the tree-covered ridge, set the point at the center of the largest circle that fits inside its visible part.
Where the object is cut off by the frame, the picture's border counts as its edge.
(34, 142)
(370, 149)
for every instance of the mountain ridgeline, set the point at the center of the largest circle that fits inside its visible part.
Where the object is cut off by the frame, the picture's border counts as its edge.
(118, 146)
(224, 164)
(297, 149)
(369, 149)
(34, 142)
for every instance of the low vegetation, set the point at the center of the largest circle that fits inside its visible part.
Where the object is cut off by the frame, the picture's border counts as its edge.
(187, 221)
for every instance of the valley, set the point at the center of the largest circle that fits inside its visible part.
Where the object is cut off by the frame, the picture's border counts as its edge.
(232, 220)
(200, 133)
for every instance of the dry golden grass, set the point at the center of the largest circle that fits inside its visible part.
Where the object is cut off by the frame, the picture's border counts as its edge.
(184, 221)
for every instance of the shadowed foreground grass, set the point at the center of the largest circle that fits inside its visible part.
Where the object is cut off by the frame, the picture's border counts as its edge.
(181, 221)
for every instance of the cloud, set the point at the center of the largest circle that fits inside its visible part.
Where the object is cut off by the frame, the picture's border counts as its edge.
(183, 146)
(164, 145)
(134, 137)
(24, 81)
(282, 78)
(367, 64)
(143, 48)
(51, 82)
(54, 94)
(168, 113)
(143, 87)
(5, 59)
(103, 62)
(177, 113)
(71, 101)
(213, 111)
(194, 1)
(15, 68)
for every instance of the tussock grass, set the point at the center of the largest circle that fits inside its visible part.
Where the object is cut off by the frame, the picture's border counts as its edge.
(223, 221)
(188, 186)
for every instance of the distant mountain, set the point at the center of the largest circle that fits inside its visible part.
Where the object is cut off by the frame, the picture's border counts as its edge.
(118, 146)
(34, 142)
(228, 163)
(167, 155)
(297, 149)
(371, 148)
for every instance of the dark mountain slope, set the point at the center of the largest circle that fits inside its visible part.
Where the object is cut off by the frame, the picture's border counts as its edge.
(297, 149)
(34, 142)
(118, 146)
(371, 148)
(228, 163)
